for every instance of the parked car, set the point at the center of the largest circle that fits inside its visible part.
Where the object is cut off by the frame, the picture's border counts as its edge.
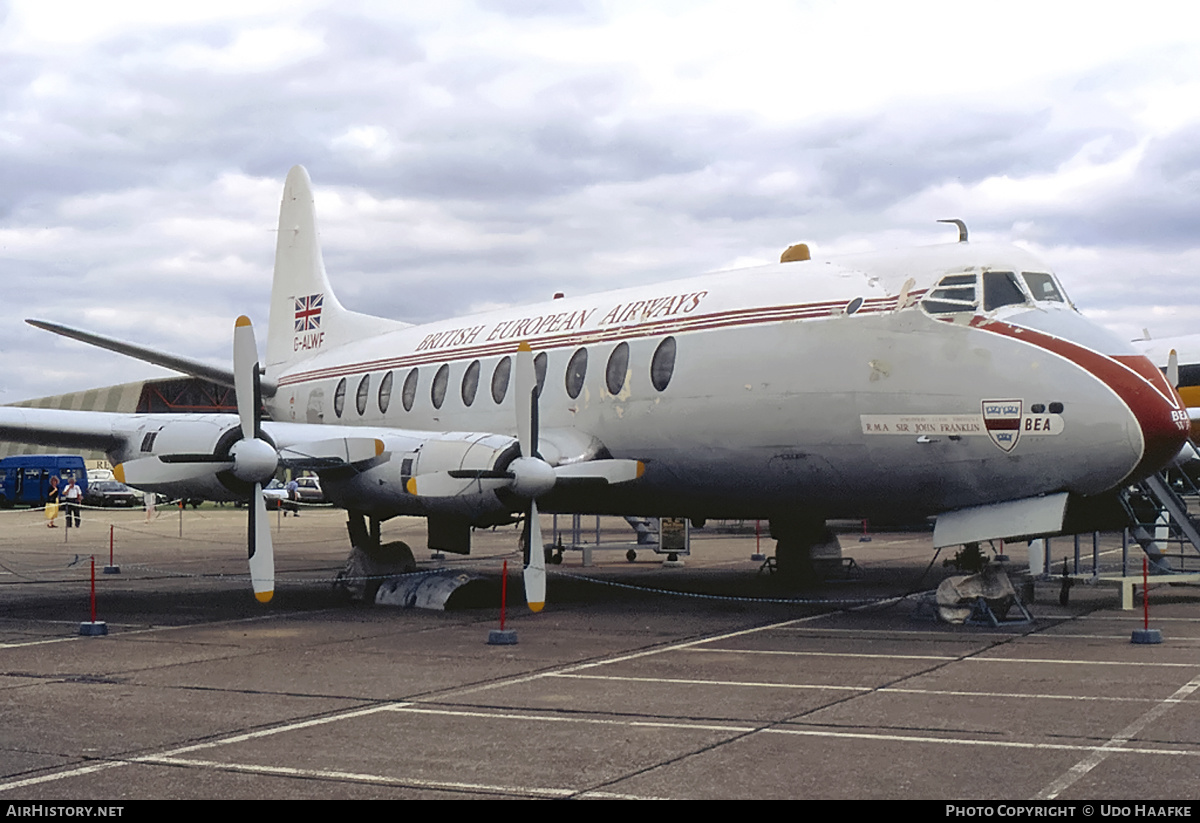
(273, 493)
(308, 490)
(111, 493)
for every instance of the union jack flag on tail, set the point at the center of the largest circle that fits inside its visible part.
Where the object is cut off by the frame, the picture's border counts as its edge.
(308, 312)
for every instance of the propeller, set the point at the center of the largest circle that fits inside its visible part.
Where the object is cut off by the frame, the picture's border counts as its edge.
(1173, 369)
(252, 459)
(528, 476)
(532, 477)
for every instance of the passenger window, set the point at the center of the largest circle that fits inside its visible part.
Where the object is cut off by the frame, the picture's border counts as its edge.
(955, 293)
(539, 369)
(500, 379)
(576, 371)
(470, 383)
(364, 391)
(408, 395)
(662, 365)
(437, 392)
(618, 366)
(339, 398)
(1001, 288)
(385, 393)
(1043, 287)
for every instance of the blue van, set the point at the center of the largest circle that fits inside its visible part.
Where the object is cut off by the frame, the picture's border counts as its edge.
(25, 478)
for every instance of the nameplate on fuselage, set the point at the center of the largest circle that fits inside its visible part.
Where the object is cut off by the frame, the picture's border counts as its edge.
(960, 425)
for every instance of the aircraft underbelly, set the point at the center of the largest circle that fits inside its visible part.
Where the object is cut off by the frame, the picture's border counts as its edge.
(895, 413)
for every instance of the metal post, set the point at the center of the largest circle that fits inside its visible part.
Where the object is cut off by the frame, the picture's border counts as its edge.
(1076, 555)
(1048, 560)
(1095, 554)
(1125, 552)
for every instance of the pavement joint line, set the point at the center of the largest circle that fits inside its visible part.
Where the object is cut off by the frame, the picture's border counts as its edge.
(600, 721)
(967, 741)
(787, 653)
(1117, 742)
(1020, 695)
(689, 682)
(931, 635)
(378, 779)
(1140, 663)
(951, 658)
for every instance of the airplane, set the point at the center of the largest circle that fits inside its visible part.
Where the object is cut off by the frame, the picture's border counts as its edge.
(1179, 358)
(956, 381)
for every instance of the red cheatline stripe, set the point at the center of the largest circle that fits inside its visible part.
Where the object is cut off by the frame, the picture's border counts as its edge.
(1162, 432)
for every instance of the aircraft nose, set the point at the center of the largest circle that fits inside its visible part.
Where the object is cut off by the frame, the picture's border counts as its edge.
(1153, 403)
(1160, 413)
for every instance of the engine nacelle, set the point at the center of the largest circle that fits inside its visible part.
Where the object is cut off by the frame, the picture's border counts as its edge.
(381, 490)
(161, 435)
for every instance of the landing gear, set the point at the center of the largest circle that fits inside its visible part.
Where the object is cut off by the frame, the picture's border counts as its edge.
(370, 561)
(796, 536)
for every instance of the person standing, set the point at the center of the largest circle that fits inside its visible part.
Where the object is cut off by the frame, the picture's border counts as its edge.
(73, 498)
(293, 493)
(52, 503)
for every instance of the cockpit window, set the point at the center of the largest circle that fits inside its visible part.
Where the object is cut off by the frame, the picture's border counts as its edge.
(1001, 288)
(1043, 287)
(955, 293)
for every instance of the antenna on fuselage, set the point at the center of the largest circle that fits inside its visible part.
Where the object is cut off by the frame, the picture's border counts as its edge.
(962, 228)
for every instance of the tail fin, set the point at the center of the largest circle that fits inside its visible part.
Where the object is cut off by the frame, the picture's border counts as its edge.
(306, 318)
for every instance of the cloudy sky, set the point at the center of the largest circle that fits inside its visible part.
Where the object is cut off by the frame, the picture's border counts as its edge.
(492, 152)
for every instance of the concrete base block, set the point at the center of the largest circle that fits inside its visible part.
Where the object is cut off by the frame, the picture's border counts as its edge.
(1146, 636)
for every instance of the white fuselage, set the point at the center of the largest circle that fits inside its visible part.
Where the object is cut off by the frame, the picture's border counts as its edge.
(818, 384)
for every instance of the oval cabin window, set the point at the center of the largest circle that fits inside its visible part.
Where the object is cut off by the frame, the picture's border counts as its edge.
(540, 364)
(662, 365)
(408, 395)
(500, 379)
(437, 392)
(364, 391)
(385, 393)
(470, 383)
(618, 366)
(339, 398)
(576, 372)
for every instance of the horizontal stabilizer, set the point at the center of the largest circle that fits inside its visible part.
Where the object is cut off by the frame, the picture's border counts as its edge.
(175, 362)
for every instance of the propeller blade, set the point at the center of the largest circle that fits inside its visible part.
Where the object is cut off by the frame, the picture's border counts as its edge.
(605, 471)
(445, 484)
(526, 382)
(262, 551)
(1173, 369)
(324, 454)
(150, 471)
(245, 368)
(535, 568)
